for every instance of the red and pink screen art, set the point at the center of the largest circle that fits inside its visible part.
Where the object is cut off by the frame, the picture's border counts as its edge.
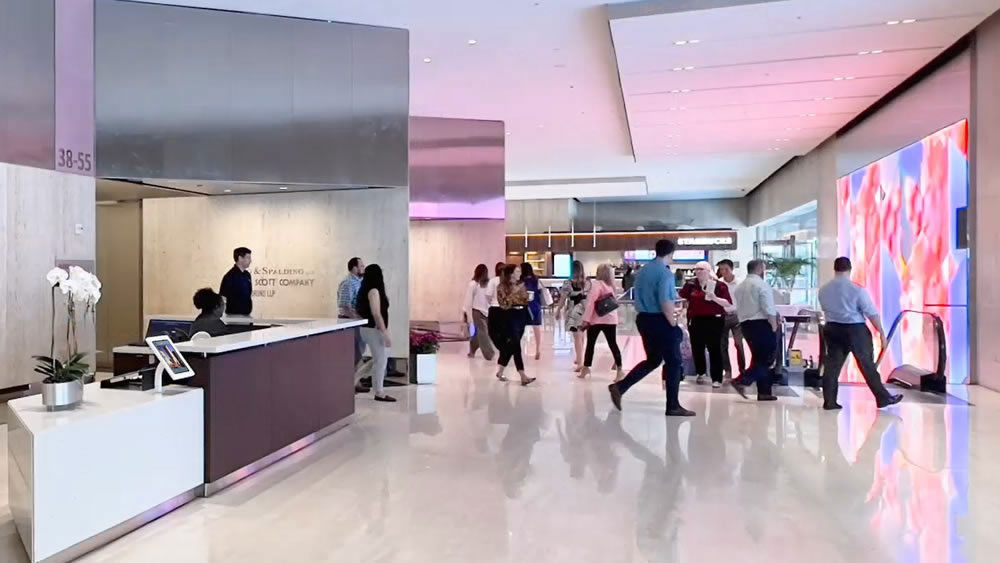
(898, 223)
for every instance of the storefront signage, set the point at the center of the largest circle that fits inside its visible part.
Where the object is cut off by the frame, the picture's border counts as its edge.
(726, 241)
(624, 241)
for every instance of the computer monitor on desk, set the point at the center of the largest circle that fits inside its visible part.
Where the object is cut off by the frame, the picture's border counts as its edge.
(176, 330)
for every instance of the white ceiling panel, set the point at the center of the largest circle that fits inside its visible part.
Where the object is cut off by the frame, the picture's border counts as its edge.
(754, 85)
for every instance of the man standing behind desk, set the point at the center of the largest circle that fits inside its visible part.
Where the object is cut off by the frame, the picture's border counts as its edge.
(655, 294)
(759, 322)
(237, 287)
(846, 306)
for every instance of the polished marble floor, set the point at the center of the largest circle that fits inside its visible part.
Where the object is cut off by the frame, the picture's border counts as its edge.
(475, 470)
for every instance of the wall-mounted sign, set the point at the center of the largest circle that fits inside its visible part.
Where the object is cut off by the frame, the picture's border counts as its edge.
(723, 241)
(269, 281)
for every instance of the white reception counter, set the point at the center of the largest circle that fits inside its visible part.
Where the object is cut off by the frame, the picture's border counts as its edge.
(278, 332)
(81, 478)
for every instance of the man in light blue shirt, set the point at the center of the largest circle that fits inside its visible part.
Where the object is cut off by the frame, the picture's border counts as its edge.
(655, 293)
(347, 297)
(846, 306)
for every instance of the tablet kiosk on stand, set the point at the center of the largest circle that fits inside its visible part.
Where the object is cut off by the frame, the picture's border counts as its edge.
(170, 361)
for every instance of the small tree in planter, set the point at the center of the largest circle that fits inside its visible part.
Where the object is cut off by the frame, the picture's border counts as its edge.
(423, 356)
(783, 271)
(64, 379)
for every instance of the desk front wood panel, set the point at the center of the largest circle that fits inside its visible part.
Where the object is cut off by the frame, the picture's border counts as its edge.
(259, 400)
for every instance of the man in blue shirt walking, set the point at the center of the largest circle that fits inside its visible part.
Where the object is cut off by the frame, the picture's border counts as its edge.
(655, 293)
(846, 306)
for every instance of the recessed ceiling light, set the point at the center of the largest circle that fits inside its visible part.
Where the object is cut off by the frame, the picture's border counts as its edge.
(427, 59)
(472, 41)
(910, 21)
(682, 42)
(848, 78)
(689, 68)
(693, 41)
(864, 52)
(878, 51)
(283, 188)
(675, 91)
(893, 22)
(678, 68)
(228, 191)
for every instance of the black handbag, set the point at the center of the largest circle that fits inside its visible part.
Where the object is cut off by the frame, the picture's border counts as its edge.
(605, 305)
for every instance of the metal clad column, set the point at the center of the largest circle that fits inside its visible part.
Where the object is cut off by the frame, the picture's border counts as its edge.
(74, 85)
(26, 82)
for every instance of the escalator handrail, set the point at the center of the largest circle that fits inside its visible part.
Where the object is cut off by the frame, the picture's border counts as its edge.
(939, 333)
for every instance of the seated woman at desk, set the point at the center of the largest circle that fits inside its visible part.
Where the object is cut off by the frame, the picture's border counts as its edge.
(211, 306)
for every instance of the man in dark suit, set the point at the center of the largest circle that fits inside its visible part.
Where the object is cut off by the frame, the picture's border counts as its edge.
(237, 286)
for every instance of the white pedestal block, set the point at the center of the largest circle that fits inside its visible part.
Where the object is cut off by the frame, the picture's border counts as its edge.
(81, 478)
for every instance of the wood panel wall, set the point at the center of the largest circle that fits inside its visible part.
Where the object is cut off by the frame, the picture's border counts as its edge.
(39, 214)
(443, 255)
(119, 265)
(188, 243)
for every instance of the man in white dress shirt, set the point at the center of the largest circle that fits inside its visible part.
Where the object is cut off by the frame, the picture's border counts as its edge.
(727, 276)
(759, 322)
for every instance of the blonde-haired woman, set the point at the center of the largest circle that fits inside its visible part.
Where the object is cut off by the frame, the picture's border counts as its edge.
(602, 292)
(707, 302)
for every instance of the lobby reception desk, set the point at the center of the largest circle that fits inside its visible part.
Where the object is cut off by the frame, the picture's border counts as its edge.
(268, 392)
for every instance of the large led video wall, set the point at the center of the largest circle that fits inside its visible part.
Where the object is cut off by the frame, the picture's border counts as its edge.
(899, 224)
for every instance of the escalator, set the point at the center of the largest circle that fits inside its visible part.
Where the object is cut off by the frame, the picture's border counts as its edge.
(914, 377)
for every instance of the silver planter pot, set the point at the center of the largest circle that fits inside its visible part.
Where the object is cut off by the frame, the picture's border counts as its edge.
(62, 396)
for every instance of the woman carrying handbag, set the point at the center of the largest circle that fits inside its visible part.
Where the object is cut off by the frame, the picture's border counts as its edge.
(601, 317)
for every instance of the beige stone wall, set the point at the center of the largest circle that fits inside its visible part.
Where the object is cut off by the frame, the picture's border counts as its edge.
(45, 217)
(443, 255)
(301, 243)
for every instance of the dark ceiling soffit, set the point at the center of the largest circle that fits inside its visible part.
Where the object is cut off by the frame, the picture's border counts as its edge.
(642, 8)
(556, 182)
(621, 89)
(935, 64)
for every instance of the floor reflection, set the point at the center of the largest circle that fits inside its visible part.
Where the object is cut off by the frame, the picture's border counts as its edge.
(473, 469)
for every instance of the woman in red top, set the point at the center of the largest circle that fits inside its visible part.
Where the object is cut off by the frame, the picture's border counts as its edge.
(707, 301)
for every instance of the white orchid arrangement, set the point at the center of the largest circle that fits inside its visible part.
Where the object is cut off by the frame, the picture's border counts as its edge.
(79, 287)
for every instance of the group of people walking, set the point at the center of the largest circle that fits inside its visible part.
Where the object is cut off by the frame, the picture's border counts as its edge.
(846, 306)
(717, 307)
(499, 309)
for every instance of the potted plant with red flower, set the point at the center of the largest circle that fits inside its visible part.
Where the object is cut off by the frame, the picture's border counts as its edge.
(423, 356)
